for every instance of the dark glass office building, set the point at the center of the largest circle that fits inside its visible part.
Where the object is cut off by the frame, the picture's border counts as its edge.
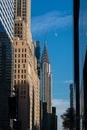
(83, 62)
(80, 62)
(76, 64)
(6, 54)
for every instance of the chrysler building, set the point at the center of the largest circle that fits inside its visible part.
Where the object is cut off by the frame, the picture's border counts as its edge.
(46, 80)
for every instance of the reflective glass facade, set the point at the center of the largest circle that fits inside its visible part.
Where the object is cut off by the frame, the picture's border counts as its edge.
(6, 56)
(7, 17)
(83, 62)
(76, 65)
(80, 62)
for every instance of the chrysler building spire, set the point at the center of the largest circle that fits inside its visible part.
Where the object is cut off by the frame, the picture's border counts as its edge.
(45, 57)
(46, 79)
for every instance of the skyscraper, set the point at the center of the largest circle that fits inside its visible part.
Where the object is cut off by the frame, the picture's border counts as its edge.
(26, 79)
(6, 55)
(76, 62)
(80, 13)
(22, 11)
(46, 80)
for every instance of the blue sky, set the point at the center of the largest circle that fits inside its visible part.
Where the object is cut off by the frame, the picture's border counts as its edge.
(53, 19)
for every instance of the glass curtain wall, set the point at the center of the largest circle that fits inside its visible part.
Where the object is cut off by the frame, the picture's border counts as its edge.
(83, 63)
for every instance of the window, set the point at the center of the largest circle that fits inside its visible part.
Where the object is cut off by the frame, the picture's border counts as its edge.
(23, 65)
(18, 60)
(24, 71)
(18, 55)
(18, 76)
(22, 81)
(18, 71)
(18, 65)
(22, 60)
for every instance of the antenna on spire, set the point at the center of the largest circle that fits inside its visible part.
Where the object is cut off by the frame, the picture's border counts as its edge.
(44, 41)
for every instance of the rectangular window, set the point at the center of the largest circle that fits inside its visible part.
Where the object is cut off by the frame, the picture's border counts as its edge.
(21, 81)
(22, 60)
(18, 55)
(23, 65)
(18, 76)
(18, 65)
(18, 60)
(18, 71)
(24, 71)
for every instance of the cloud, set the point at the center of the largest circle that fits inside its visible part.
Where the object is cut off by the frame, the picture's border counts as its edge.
(68, 81)
(50, 21)
(64, 82)
(61, 106)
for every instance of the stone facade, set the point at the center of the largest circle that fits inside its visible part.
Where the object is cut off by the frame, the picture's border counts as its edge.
(26, 79)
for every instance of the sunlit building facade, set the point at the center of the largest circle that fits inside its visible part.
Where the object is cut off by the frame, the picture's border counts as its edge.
(6, 60)
(26, 79)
